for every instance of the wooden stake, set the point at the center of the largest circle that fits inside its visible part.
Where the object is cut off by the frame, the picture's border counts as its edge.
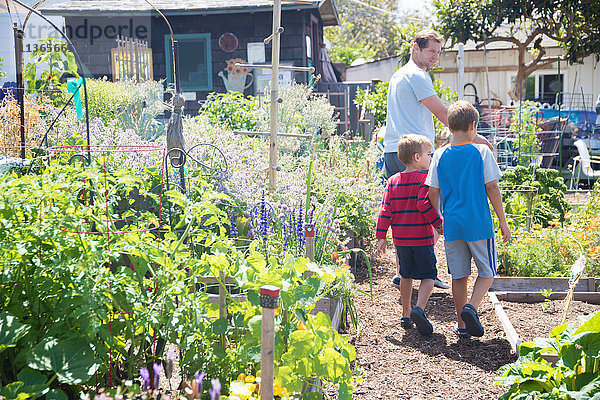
(269, 301)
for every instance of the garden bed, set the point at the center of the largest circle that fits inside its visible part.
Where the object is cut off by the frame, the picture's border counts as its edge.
(532, 320)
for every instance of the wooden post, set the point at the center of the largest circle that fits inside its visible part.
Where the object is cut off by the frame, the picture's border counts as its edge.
(591, 284)
(274, 93)
(119, 59)
(269, 301)
(130, 51)
(136, 46)
(309, 234)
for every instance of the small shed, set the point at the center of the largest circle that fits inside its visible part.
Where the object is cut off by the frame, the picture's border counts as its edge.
(212, 35)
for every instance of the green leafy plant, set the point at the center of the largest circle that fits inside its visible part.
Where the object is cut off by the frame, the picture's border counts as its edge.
(345, 47)
(78, 303)
(576, 374)
(548, 253)
(527, 146)
(302, 112)
(545, 188)
(231, 110)
(60, 63)
(375, 102)
(547, 302)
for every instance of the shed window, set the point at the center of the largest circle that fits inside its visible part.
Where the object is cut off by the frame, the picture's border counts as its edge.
(195, 62)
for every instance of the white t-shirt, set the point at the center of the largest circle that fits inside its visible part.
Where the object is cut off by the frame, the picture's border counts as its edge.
(406, 114)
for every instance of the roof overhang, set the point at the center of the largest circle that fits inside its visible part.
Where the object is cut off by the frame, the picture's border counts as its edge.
(135, 8)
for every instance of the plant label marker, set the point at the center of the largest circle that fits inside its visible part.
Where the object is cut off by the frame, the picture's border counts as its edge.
(269, 301)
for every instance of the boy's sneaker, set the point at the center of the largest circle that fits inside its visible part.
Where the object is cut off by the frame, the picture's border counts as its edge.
(396, 282)
(440, 284)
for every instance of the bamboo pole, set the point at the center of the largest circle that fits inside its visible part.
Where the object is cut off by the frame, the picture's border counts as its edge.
(274, 93)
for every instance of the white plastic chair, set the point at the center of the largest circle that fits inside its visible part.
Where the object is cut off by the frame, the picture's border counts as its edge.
(585, 163)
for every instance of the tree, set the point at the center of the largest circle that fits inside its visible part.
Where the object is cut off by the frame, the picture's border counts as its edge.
(369, 29)
(573, 24)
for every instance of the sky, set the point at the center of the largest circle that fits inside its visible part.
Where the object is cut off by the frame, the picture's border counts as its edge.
(413, 5)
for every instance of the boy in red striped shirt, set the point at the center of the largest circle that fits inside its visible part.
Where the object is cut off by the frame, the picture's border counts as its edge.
(407, 209)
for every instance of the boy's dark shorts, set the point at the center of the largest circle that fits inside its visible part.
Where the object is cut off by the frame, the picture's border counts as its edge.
(417, 262)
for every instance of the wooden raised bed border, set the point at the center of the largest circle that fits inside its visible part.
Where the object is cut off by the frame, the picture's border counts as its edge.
(528, 290)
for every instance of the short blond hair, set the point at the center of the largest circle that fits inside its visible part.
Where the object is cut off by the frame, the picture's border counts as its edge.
(461, 115)
(423, 37)
(411, 144)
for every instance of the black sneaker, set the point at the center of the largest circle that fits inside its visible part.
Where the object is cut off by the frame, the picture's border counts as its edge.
(396, 282)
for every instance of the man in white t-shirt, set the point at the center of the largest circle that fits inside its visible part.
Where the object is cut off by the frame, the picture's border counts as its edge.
(412, 101)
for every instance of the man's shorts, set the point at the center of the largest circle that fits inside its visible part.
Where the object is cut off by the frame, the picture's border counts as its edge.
(460, 252)
(417, 262)
(392, 164)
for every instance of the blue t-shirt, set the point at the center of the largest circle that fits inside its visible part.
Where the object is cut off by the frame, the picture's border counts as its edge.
(406, 114)
(461, 171)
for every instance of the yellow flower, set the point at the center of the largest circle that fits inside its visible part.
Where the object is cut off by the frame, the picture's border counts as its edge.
(277, 389)
(537, 226)
(250, 379)
(241, 377)
(300, 326)
(334, 256)
(251, 387)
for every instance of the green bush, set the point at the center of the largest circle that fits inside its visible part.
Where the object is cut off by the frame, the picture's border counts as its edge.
(133, 105)
(546, 188)
(375, 102)
(79, 308)
(231, 110)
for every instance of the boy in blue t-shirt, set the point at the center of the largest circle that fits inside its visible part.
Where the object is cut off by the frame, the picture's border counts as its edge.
(466, 175)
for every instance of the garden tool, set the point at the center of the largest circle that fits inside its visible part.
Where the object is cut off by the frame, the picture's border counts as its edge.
(577, 270)
(73, 87)
(175, 136)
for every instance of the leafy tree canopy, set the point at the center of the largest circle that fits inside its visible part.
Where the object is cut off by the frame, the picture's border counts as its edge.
(574, 24)
(370, 29)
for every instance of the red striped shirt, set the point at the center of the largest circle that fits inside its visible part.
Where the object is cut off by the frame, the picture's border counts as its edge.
(407, 209)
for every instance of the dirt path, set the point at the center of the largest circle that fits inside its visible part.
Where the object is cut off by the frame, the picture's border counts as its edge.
(400, 364)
